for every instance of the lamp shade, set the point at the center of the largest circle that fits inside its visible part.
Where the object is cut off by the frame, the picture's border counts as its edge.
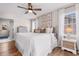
(69, 29)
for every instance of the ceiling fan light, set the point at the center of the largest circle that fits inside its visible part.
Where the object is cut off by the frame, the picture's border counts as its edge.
(30, 11)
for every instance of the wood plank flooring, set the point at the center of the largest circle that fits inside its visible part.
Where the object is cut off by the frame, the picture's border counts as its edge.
(58, 52)
(9, 49)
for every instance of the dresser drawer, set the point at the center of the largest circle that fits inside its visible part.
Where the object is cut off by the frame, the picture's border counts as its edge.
(69, 45)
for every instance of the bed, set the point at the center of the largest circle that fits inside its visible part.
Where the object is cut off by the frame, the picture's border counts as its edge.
(35, 44)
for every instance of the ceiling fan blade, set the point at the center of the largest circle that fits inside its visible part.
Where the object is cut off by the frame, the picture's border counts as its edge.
(26, 12)
(34, 13)
(38, 9)
(22, 7)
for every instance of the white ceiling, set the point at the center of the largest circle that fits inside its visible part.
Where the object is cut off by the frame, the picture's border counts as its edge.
(11, 10)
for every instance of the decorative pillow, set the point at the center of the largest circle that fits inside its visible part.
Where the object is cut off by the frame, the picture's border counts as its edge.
(53, 30)
(0, 27)
(49, 30)
(42, 30)
(37, 30)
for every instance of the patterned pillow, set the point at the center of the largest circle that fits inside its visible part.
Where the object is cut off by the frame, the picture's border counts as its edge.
(36, 30)
(42, 30)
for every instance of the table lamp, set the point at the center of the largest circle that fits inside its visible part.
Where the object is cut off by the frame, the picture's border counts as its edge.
(69, 30)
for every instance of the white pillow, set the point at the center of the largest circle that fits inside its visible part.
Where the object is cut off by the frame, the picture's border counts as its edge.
(49, 30)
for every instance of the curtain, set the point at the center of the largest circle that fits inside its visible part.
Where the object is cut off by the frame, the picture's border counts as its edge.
(61, 25)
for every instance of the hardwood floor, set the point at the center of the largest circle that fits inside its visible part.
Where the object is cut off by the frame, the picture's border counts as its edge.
(58, 52)
(9, 49)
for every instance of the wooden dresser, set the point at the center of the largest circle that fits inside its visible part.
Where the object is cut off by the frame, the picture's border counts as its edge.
(69, 45)
(9, 49)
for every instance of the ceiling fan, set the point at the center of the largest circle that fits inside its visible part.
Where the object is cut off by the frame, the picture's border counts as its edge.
(30, 9)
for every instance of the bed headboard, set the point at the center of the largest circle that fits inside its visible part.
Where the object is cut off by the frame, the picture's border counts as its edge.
(22, 29)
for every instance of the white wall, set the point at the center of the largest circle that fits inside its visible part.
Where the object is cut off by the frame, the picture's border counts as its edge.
(22, 22)
(19, 20)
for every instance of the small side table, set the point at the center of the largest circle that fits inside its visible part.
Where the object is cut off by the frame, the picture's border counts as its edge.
(69, 45)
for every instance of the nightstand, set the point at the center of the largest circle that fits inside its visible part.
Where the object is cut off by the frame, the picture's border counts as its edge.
(69, 45)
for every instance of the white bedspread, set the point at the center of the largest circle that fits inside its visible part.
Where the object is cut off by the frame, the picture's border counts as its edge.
(35, 44)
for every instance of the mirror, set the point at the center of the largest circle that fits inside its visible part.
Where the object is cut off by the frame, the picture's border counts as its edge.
(6, 26)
